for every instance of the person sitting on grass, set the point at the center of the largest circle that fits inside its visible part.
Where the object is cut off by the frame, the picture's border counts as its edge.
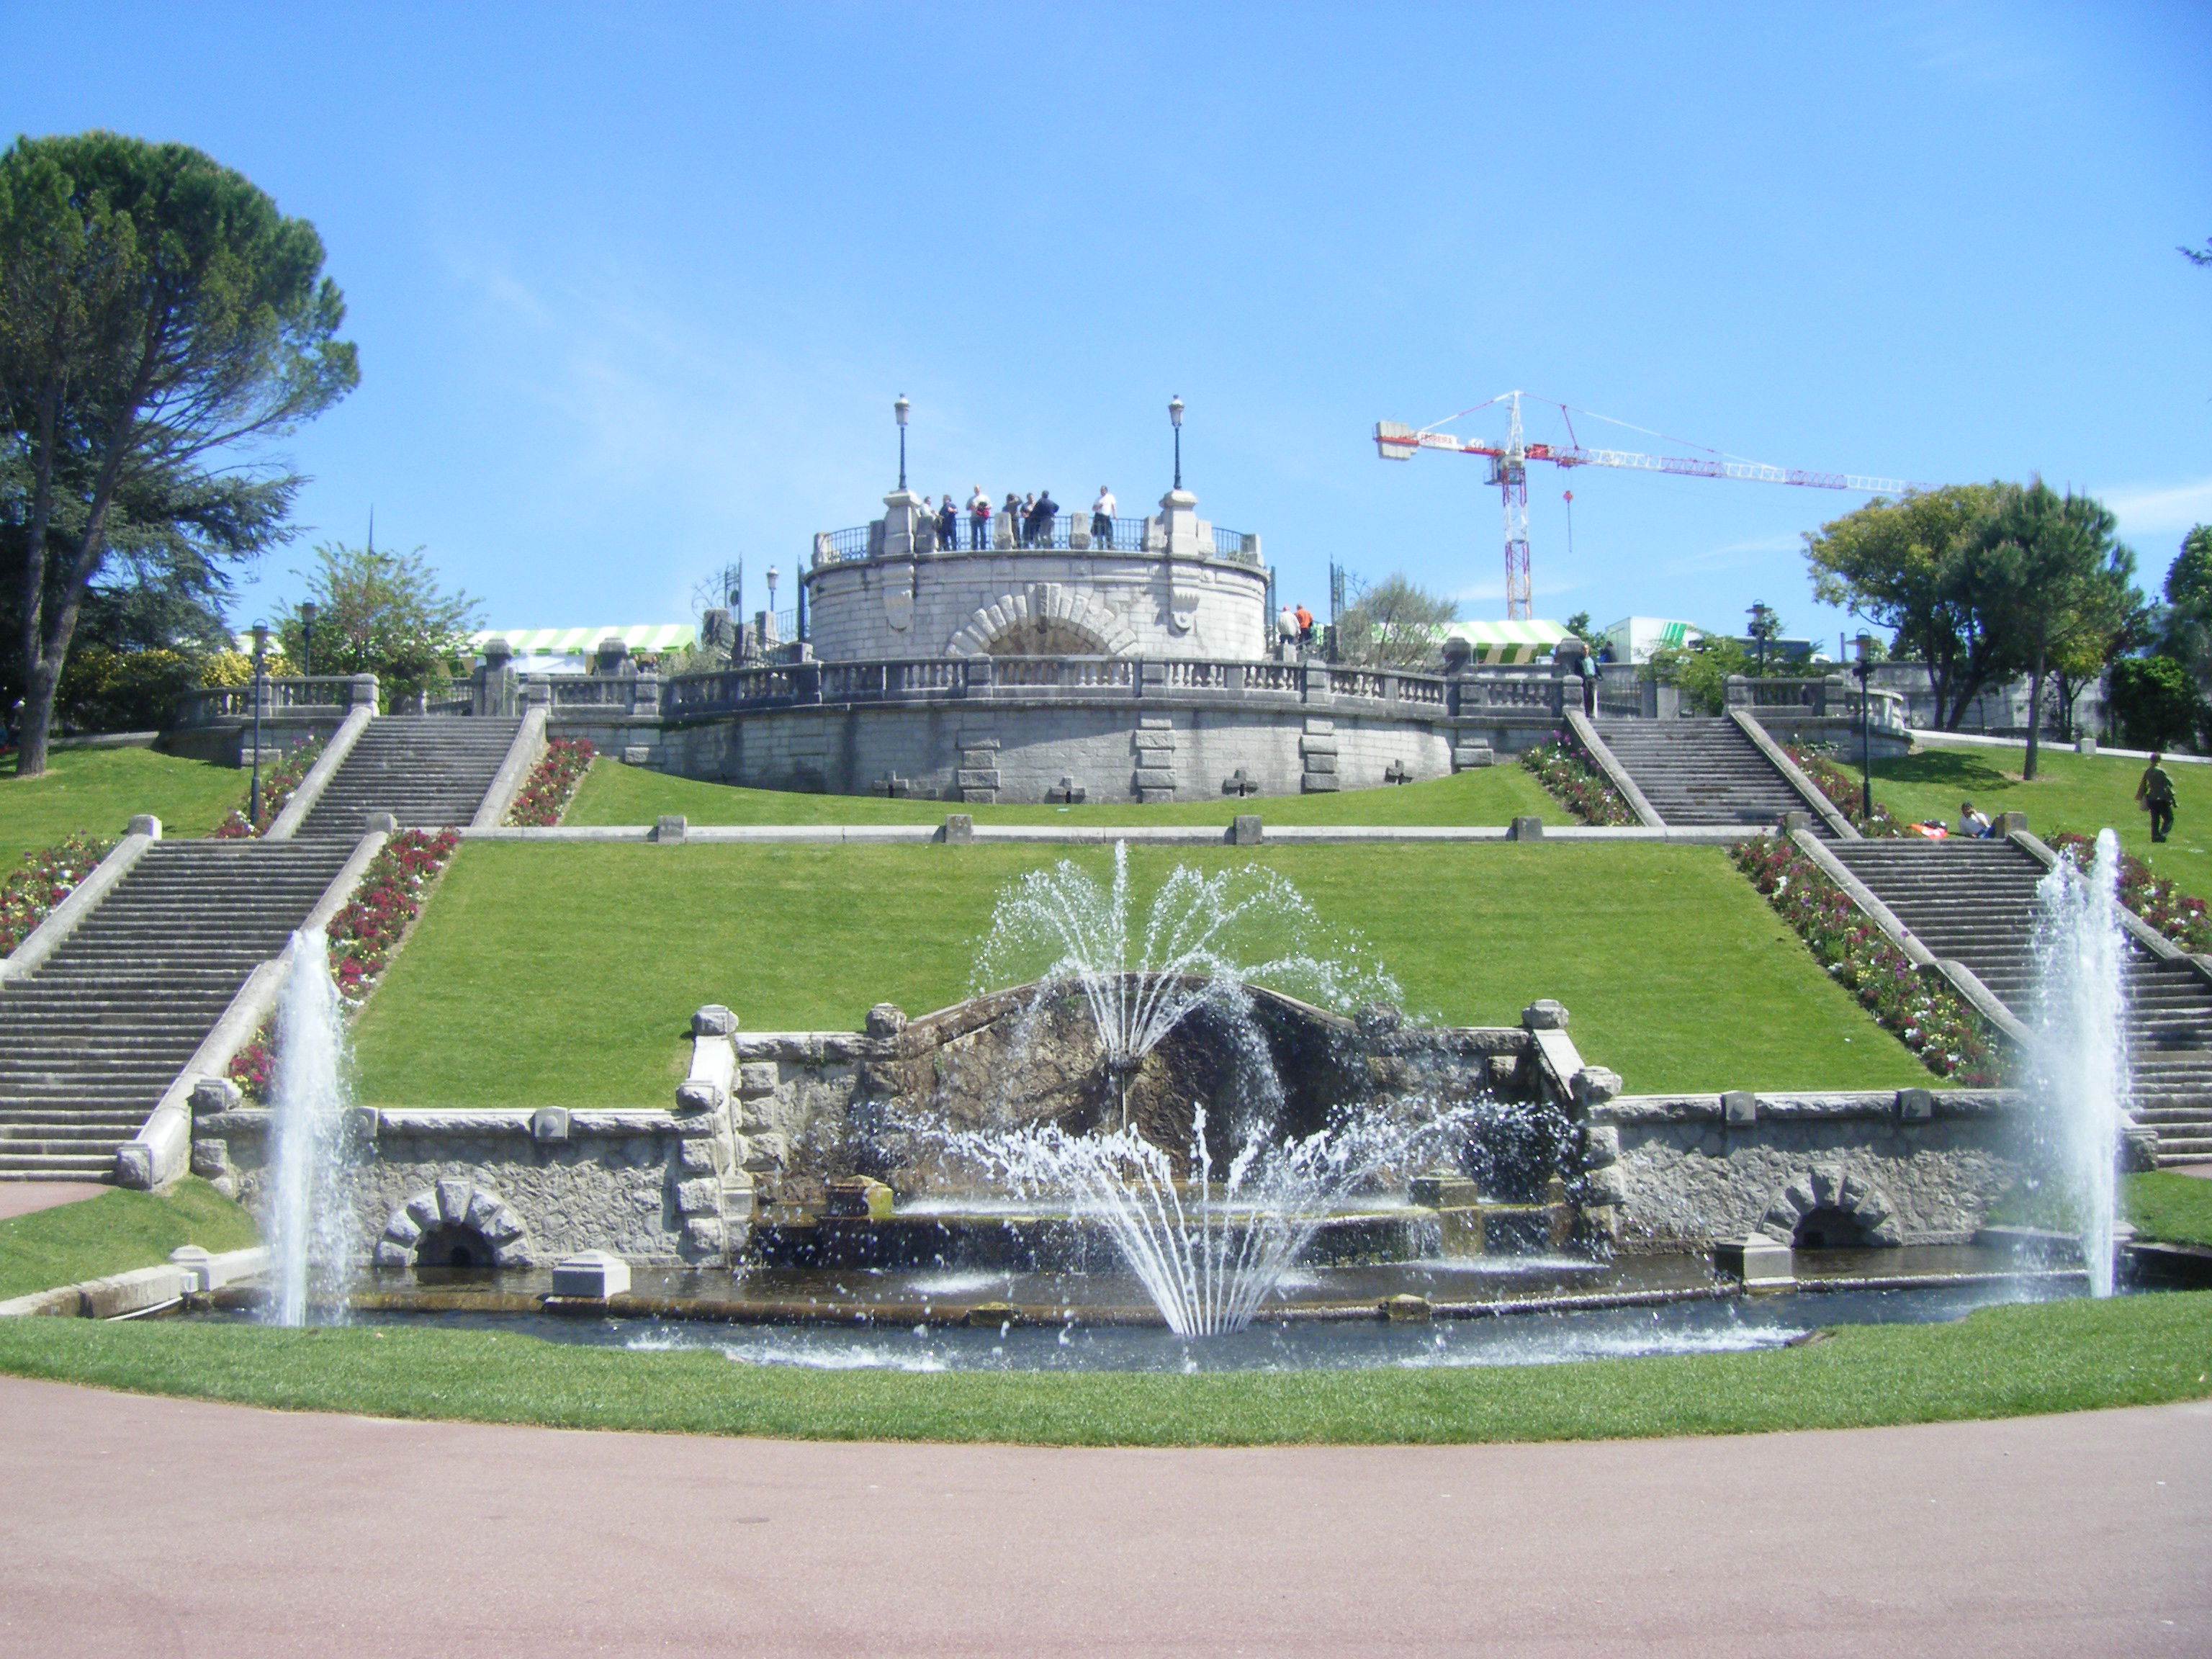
(1974, 823)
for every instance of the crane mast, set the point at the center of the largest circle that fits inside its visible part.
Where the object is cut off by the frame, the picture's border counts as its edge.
(1509, 471)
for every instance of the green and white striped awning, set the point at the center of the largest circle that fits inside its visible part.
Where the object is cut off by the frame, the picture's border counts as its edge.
(582, 641)
(1508, 641)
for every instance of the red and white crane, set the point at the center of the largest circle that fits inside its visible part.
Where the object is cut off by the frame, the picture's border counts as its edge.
(1509, 470)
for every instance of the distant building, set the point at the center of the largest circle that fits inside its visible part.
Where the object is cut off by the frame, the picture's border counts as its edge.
(1633, 639)
(570, 650)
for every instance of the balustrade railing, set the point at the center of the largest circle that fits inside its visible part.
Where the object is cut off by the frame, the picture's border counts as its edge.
(1070, 531)
(320, 693)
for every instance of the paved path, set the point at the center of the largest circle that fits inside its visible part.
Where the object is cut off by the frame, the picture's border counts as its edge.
(26, 1197)
(159, 1527)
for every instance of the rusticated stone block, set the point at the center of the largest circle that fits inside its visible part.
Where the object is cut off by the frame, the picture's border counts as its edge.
(1545, 1015)
(756, 1077)
(699, 1196)
(1740, 1108)
(697, 1095)
(714, 1020)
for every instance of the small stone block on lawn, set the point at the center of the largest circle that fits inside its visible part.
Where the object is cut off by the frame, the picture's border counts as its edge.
(597, 1274)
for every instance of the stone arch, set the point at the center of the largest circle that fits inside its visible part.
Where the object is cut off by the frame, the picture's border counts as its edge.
(1824, 1207)
(456, 1213)
(1044, 619)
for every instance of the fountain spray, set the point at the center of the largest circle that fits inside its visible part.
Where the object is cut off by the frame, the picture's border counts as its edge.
(311, 1242)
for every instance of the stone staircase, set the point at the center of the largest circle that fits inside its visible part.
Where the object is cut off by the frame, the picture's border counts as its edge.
(1705, 772)
(1975, 901)
(425, 770)
(90, 1042)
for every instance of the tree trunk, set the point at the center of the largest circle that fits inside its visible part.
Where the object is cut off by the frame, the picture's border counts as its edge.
(2035, 716)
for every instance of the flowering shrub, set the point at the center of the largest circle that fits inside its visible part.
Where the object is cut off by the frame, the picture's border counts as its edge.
(277, 784)
(2182, 917)
(30, 894)
(1561, 767)
(364, 934)
(1846, 793)
(553, 783)
(1926, 1017)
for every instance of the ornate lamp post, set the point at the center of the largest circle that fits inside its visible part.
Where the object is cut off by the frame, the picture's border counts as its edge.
(1864, 669)
(260, 663)
(308, 637)
(1762, 630)
(900, 409)
(1174, 418)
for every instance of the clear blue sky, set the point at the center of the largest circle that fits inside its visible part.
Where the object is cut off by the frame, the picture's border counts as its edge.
(635, 286)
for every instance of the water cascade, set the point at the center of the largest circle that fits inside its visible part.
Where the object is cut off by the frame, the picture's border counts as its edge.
(311, 1239)
(2081, 1052)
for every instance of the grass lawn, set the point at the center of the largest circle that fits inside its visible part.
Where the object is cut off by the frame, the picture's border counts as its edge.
(614, 793)
(2086, 792)
(2000, 1362)
(114, 1233)
(2175, 1208)
(99, 791)
(566, 974)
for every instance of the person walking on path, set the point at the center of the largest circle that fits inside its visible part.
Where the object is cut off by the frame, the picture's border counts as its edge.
(1102, 519)
(979, 520)
(2154, 794)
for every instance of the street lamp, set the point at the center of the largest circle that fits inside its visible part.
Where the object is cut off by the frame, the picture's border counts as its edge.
(260, 662)
(308, 637)
(1864, 669)
(1175, 416)
(1762, 628)
(901, 408)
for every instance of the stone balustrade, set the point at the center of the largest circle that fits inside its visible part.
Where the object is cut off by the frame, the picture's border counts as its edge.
(331, 696)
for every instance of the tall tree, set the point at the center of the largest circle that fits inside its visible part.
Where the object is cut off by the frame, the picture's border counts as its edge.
(2185, 629)
(1393, 624)
(1896, 564)
(157, 316)
(2043, 568)
(384, 614)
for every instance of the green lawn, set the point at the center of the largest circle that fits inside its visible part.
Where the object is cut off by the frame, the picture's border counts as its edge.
(114, 1233)
(2000, 1362)
(99, 791)
(2174, 1208)
(2086, 792)
(566, 974)
(614, 793)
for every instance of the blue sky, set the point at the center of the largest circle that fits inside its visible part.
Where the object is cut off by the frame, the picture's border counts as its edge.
(635, 286)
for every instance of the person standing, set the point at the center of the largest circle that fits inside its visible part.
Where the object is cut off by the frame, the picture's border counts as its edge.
(979, 520)
(1012, 513)
(1286, 628)
(948, 524)
(1102, 519)
(2154, 794)
(1045, 523)
(1305, 627)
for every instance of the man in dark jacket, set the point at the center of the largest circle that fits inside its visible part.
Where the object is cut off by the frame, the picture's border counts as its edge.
(2154, 794)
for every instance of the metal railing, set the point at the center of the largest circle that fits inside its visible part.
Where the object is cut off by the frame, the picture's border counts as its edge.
(1070, 531)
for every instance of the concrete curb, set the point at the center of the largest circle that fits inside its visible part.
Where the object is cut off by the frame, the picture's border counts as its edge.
(515, 771)
(1718, 835)
(142, 1290)
(63, 921)
(320, 775)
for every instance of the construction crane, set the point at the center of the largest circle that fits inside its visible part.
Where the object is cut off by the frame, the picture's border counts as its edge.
(1509, 470)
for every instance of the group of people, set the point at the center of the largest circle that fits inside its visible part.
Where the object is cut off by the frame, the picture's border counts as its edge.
(2153, 794)
(1294, 626)
(1035, 520)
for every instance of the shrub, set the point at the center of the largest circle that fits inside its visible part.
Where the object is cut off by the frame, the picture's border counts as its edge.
(1561, 767)
(1846, 793)
(552, 783)
(1926, 1017)
(2182, 917)
(45, 877)
(2154, 701)
(106, 690)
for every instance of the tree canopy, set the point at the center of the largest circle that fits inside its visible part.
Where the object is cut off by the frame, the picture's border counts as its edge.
(1393, 624)
(380, 613)
(158, 316)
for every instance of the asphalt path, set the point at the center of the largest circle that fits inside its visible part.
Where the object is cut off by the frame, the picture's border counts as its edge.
(150, 1527)
(28, 1197)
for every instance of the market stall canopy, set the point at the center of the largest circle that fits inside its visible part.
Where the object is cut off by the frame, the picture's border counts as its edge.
(1507, 641)
(582, 641)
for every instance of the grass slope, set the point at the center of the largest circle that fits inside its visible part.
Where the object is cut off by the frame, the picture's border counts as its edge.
(114, 1233)
(2000, 1362)
(2085, 793)
(614, 793)
(2176, 1208)
(565, 975)
(99, 791)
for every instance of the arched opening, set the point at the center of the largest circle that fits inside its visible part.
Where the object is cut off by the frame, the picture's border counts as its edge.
(455, 1250)
(1828, 1227)
(1045, 636)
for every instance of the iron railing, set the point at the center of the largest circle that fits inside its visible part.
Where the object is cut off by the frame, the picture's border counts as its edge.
(1070, 531)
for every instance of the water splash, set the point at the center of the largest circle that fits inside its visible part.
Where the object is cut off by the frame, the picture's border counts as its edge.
(1208, 1249)
(2081, 1051)
(311, 1229)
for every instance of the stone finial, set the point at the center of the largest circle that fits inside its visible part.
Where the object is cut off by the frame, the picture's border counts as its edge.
(1915, 1105)
(886, 1019)
(1457, 656)
(1739, 1107)
(697, 1095)
(1525, 828)
(2006, 823)
(497, 653)
(215, 1094)
(1545, 1016)
(148, 825)
(1594, 1086)
(380, 822)
(714, 1020)
(548, 1124)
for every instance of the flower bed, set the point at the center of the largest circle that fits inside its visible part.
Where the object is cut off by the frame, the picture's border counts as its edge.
(1561, 767)
(29, 894)
(364, 935)
(1846, 793)
(552, 783)
(2182, 917)
(278, 783)
(1924, 1014)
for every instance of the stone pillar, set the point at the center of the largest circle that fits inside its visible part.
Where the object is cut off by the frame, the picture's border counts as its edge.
(1738, 692)
(645, 696)
(903, 536)
(493, 690)
(611, 657)
(1178, 524)
(363, 694)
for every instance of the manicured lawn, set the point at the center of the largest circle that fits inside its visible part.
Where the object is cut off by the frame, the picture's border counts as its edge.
(115, 1232)
(565, 975)
(2000, 1362)
(99, 791)
(2176, 1208)
(2085, 793)
(615, 793)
